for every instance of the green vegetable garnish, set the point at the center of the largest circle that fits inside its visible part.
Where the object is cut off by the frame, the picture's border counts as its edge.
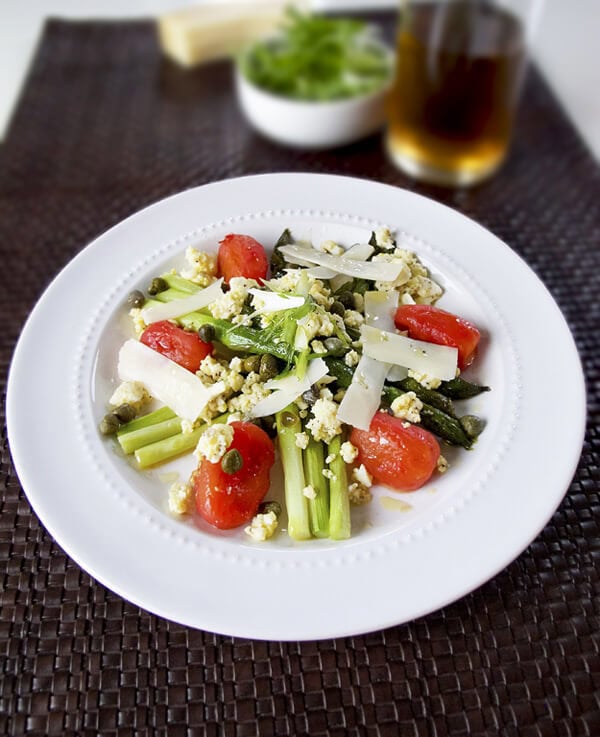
(318, 58)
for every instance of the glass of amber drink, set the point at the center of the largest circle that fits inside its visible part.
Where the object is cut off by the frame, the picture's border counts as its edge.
(459, 69)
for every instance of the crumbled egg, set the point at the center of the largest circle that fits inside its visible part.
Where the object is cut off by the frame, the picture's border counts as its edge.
(407, 407)
(309, 492)
(214, 408)
(362, 476)
(301, 440)
(353, 319)
(429, 382)
(316, 323)
(442, 464)
(180, 498)
(351, 358)
(214, 442)
(232, 302)
(211, 368)
(359, 494)
(201, 267)
(348, 452)
(289, 282)
(423, 290)
(251, 392)
(138, 321)
(262, 527)
(133, 393)
(384, 239)
(320, 293)
(324, 424)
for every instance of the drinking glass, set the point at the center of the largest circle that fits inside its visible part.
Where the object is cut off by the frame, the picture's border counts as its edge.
(459, 69)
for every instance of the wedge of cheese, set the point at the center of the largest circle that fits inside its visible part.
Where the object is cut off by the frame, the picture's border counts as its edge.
(215, 30)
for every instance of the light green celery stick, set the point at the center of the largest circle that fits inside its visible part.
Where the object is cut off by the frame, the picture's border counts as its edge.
(339, 503)
(169, 295)
(183, 285)
(131, 441)
(179, 288)
(288, 424)
(152, 418)
(314, 463)
(169, 448)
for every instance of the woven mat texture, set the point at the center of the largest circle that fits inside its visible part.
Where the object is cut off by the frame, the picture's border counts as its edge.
(105, 127)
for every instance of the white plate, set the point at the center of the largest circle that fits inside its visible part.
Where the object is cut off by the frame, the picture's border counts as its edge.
(461, 529)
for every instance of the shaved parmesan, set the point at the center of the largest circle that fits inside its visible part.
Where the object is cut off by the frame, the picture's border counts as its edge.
(320, 272)
(288, 389)
(397, 373)
(380, 308)
(179, 307)
(363, 396)
(439, 361)
(358, 252)
(375, 270)
(167, 381)
(264, 301)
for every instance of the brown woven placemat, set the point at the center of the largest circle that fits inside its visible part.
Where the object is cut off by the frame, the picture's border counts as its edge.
(105, 127)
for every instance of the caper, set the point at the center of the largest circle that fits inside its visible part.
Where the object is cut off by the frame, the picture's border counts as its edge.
(136, 299)
(232, 461)
(110, 424)
(472, 425)
(207, 333)
(158, 284)
(268, 368)
(337, 308)
(251, 363)
(346, 299)
(334, 346)
(124, 413)
(266, 507)
(310, 396)
(287, 419)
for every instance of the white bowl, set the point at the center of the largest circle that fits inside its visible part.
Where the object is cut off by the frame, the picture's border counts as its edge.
(311, 125)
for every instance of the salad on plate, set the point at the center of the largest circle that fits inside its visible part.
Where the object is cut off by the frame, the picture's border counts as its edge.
(336, 360)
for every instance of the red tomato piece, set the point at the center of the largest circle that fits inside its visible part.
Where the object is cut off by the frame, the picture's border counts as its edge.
(179, 345)
(241, 255)
(425, 322)
(395, 453)
(227, 500)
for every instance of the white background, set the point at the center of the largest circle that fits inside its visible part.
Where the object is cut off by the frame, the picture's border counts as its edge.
(567, 46)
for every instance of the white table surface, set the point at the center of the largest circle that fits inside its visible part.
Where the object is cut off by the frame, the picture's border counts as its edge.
(567, 47)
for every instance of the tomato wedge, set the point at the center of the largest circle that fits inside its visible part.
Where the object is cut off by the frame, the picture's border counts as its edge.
(396, 453)
(425, 322)
(179, 345)
(227, 500)
(242, 255)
